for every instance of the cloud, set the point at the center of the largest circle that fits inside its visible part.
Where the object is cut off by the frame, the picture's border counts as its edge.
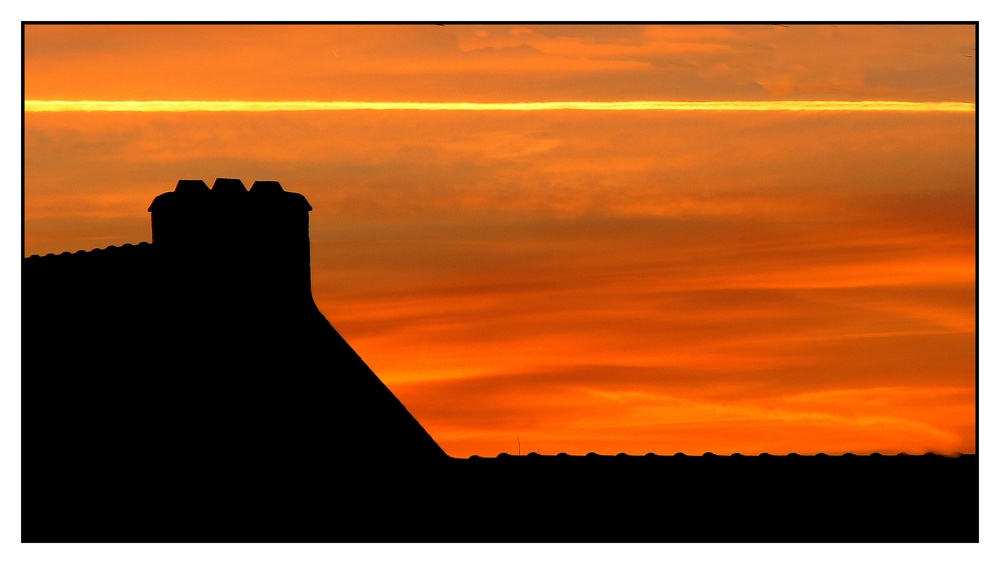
(586, 281)
(497, 62)
(611, 409)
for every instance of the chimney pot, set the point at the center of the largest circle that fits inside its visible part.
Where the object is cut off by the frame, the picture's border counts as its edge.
(227, 186)
(191, 187)
(266, 187)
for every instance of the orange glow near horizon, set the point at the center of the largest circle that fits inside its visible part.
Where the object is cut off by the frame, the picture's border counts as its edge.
(780, 259)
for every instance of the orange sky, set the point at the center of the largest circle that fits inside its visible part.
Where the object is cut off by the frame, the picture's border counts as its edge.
(579, 281)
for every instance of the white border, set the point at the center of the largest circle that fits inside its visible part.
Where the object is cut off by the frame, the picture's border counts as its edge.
(621, 10)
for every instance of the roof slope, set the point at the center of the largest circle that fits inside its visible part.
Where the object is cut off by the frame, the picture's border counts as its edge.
(151, 361)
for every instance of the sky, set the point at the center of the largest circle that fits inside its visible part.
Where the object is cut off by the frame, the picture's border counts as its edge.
(724, 277)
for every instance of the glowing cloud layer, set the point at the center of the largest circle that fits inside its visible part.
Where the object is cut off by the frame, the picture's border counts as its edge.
(763, 239)
(640, 105)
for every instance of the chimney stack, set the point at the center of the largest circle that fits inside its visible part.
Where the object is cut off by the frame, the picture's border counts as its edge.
(239, 246)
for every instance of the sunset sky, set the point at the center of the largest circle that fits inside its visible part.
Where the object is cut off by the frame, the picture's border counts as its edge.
(525, 258)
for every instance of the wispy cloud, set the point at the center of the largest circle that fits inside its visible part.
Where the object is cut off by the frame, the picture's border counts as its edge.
(606, 106)
(656, 279)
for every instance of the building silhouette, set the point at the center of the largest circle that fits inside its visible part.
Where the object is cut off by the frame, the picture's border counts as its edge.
(190, 390)
(200, 354)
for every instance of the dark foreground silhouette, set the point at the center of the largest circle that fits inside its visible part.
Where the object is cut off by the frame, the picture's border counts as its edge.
(190, 390)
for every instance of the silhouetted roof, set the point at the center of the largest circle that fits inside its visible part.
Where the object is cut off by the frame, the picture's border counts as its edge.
(53, 258)
(226, 191)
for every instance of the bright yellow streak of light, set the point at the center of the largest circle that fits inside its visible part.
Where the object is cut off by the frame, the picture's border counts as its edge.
(651, 105)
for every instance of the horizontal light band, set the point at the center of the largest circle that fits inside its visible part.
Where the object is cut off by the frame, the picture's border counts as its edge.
(668, 106)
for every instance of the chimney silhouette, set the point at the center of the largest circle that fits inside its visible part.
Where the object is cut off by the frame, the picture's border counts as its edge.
(240, 244)
(196, 364)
